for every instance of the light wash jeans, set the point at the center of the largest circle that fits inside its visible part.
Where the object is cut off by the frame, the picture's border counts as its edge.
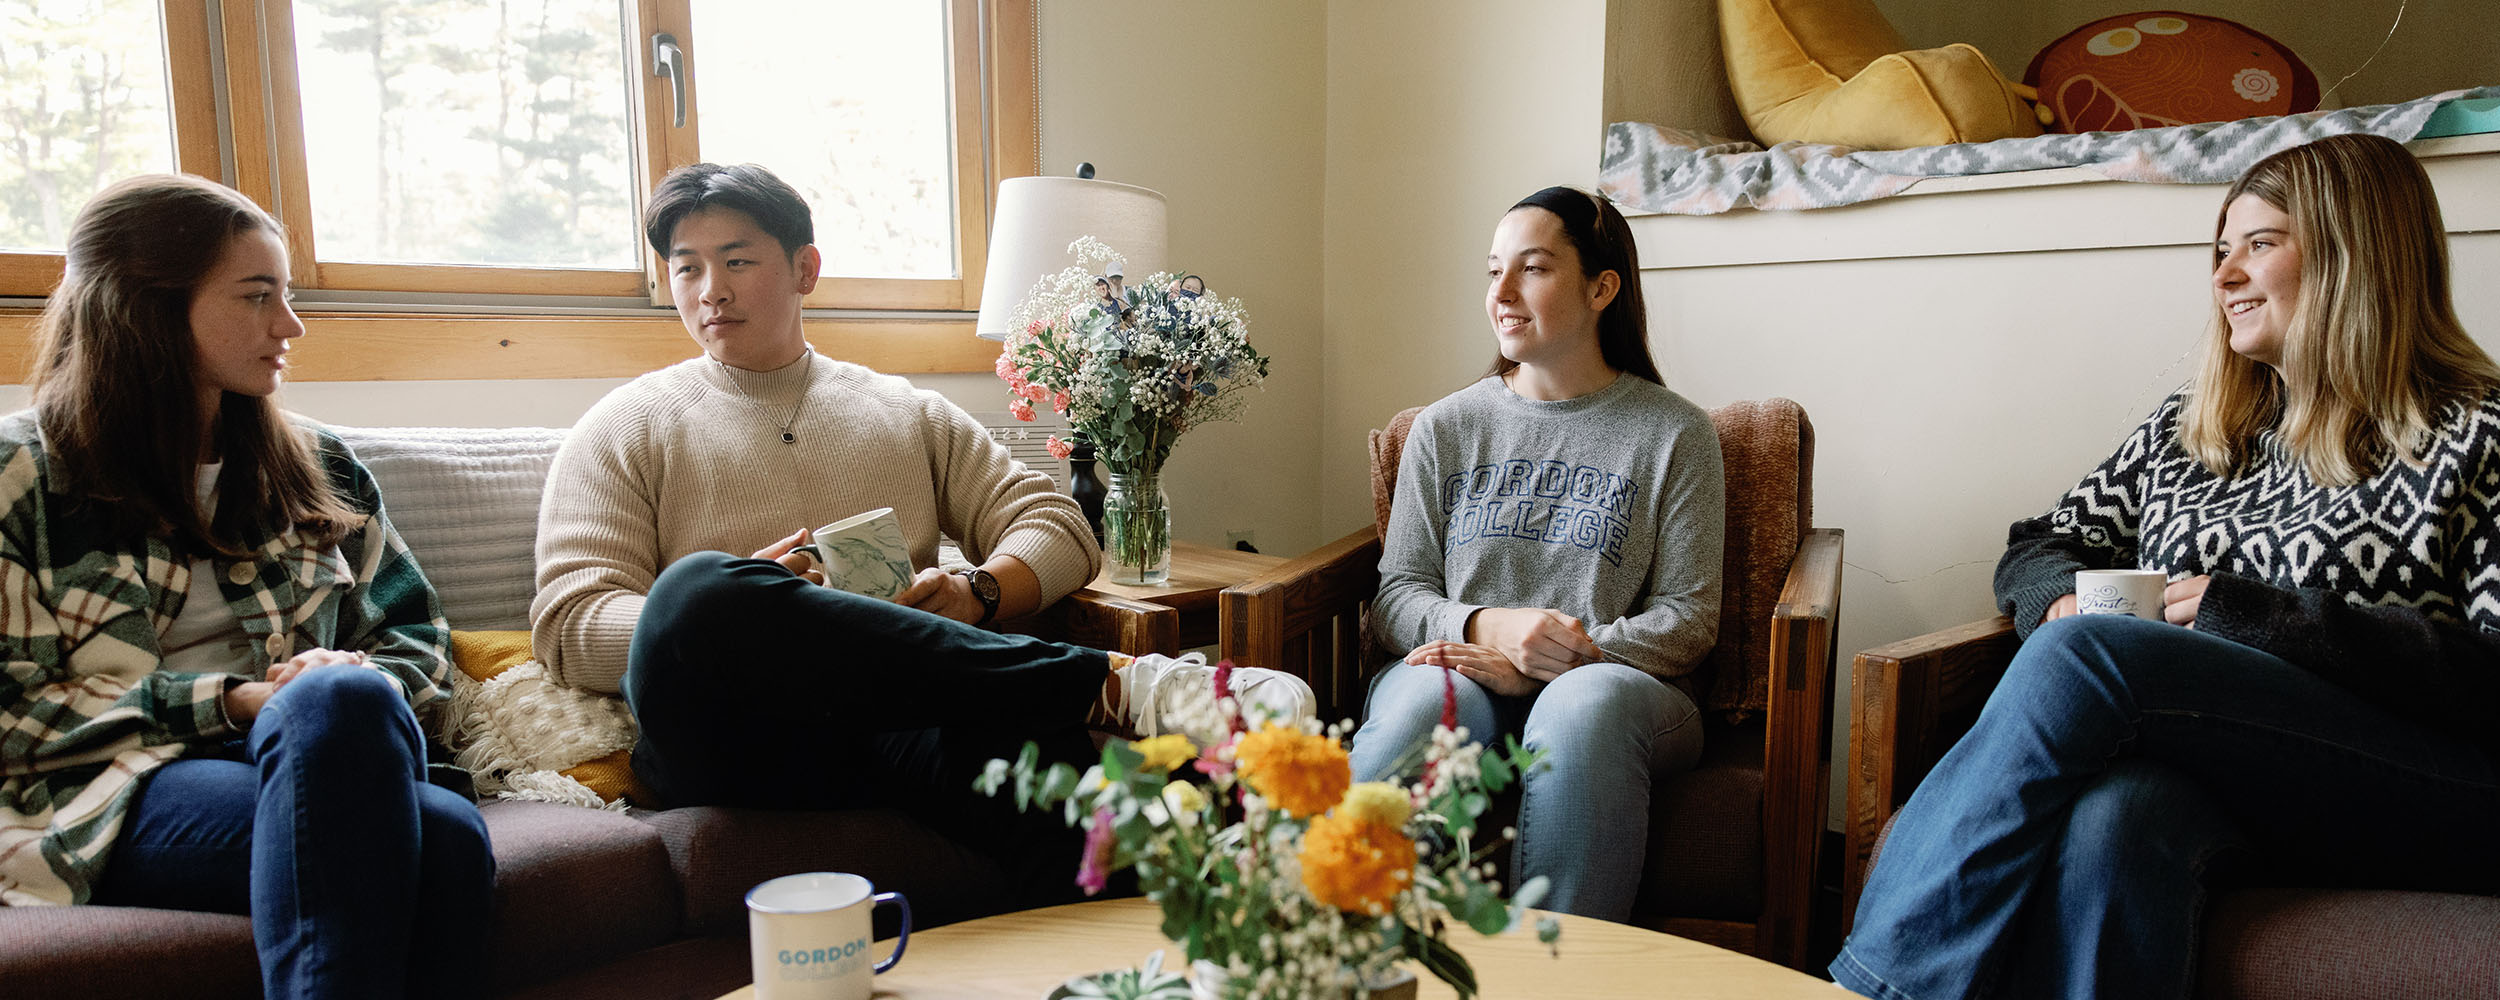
(1607, 731)
(361, 879)
(2065, 847)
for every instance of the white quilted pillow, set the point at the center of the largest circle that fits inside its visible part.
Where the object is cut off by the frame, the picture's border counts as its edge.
(466, 499)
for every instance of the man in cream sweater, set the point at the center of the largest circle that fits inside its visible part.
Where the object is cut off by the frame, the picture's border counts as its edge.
(753, 684)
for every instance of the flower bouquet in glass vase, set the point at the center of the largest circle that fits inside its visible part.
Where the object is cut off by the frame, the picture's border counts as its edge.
(1131, 367)
(1276, 872)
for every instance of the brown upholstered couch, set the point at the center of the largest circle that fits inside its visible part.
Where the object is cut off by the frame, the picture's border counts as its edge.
(590, 903)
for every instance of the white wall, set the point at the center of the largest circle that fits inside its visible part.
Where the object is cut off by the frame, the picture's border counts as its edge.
(1219, 106)
(1440, 116)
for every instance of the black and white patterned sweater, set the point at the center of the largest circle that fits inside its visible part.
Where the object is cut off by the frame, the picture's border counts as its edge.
(2389, 587)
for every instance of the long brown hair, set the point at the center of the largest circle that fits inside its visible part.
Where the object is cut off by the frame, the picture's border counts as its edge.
(1599, 234)
(2374, 347)
(115, 368)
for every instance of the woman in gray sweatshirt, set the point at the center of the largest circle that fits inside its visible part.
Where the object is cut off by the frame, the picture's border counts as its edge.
(1553, 552)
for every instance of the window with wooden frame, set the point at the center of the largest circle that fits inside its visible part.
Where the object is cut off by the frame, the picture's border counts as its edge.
(462, 179)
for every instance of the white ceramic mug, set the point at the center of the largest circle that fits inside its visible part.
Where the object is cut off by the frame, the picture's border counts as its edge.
(809, 936)
(2120, 592)
(864, 554)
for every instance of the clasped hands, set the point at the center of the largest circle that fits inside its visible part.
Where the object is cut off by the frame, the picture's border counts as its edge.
(1511, 651)
(243, 701)
(2179, 602)
(933, 590)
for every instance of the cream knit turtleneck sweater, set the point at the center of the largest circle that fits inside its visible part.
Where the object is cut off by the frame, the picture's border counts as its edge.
(689, 458)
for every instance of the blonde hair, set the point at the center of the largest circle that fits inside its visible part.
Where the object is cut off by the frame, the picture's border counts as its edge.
(2373, 349)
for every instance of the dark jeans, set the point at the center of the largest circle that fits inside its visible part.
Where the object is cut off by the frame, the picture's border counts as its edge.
(756, 688)
(2064, 847)
(361, 879)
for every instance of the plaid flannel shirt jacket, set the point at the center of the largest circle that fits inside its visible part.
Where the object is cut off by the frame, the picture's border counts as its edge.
(86, 711)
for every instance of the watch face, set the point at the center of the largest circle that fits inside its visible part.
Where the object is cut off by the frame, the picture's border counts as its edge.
(984, 586)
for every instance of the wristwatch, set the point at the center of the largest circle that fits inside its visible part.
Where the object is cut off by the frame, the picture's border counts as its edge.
(985, 587)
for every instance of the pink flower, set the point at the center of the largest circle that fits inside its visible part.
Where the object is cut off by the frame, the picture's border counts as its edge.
(1059, 448)
(1006, 366)
(1211, 764)
(1095, 869)
(1449, 698)
(1021, 409)
(1224, 689)
(1059, 401)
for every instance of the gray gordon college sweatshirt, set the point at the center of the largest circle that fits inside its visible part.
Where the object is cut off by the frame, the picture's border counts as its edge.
(1610, 507)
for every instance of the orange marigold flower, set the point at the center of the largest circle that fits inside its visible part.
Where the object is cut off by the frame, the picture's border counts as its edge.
(1356, 866)
(1301, 773)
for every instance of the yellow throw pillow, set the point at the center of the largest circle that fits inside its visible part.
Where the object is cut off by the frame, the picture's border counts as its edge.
(613, 778)
(482, 655)
(1834, 71)
(525, 736)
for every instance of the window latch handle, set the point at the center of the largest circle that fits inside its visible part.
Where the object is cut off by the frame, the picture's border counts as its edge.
(670, 61)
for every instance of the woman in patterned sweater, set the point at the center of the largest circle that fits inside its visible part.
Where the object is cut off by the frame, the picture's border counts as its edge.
(214, 643)
(2318, 700)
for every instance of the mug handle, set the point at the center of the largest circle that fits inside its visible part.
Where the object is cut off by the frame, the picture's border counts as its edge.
(901, 939)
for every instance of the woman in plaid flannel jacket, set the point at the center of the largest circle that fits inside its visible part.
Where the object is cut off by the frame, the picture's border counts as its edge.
(213, 646)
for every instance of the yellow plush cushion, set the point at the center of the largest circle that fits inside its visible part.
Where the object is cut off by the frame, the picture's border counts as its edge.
(484, 656)
(1834, 71)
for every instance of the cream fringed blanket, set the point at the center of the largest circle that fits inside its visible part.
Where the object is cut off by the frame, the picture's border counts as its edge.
(524, 736)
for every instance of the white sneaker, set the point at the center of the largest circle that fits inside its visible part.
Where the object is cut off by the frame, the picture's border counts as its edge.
(1164, 694)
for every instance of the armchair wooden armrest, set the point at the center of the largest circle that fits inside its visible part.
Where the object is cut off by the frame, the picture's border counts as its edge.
(1305, 617)
(1797, 748)
(1103, 621)
(1909, 702)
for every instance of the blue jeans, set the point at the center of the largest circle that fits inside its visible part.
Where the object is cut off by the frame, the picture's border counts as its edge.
(756, 688)
(1607, 731)
(2065, 847)
(361, 879)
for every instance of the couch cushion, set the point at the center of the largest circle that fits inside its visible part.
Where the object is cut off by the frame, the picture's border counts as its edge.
(466, 499)
(2319, 943)
(574, 888)
(116, 952)
(720, 853)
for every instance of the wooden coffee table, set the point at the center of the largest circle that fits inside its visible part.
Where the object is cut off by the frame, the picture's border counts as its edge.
(1021, 956)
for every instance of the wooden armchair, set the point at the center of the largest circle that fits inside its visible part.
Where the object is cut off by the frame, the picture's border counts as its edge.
(1911, 700)
(1732, 844)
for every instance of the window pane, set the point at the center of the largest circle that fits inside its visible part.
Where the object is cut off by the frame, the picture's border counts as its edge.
(847, 100)
(468, 131)
(82, 104)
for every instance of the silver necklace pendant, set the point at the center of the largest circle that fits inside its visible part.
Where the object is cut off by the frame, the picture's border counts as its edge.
(787, 436)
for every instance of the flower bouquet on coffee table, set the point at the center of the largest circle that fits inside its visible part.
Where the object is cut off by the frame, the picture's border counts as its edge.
(1132, 367)
(1281, 877)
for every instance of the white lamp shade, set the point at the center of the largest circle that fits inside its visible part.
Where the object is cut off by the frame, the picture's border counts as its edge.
(1036, 219)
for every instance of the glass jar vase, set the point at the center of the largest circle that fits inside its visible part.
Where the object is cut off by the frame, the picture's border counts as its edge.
(1137, 528)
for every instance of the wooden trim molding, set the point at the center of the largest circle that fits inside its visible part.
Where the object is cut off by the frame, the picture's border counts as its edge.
(348, 347)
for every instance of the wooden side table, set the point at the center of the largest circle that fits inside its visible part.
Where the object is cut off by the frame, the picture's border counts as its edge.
(1177, 614)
